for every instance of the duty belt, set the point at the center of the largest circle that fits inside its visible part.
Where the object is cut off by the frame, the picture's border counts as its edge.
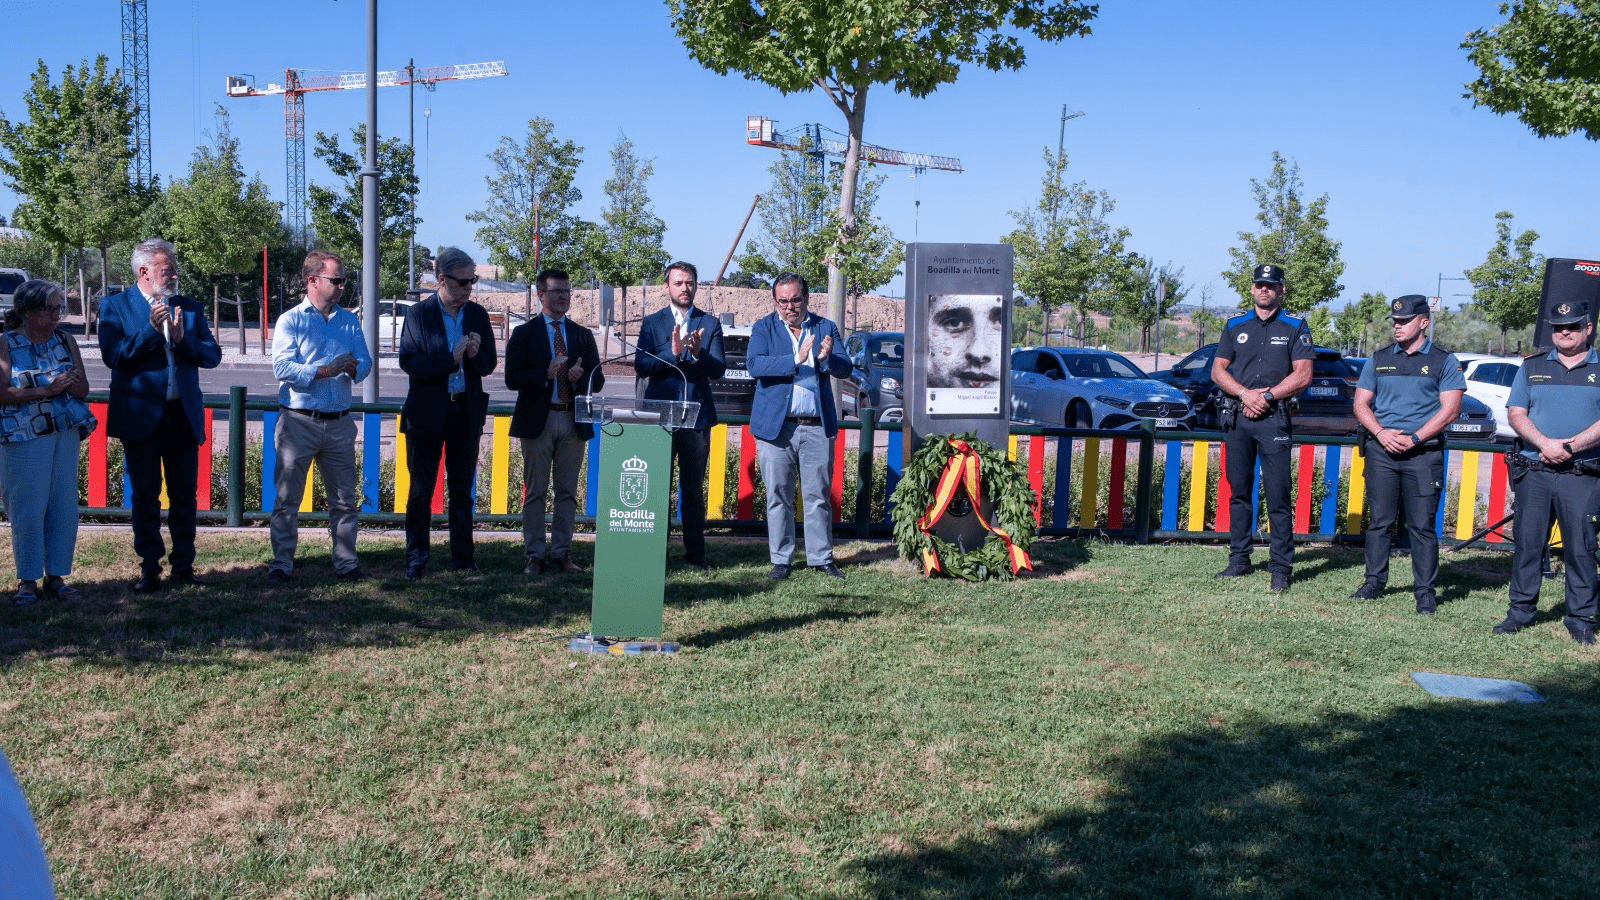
(1517, 460)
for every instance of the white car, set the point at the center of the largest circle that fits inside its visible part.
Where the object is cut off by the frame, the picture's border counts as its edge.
(391, 320)
(1489, 381)
(10, 280)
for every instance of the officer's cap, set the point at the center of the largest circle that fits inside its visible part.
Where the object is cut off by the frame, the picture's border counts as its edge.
(1268, 273)
(1408, 307)
(1568, 313)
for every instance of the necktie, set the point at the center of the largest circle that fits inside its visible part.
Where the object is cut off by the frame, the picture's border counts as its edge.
(563, 385)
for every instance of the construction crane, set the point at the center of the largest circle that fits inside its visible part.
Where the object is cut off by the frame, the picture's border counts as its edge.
(294, 89)
(136, 73)
(761, 131)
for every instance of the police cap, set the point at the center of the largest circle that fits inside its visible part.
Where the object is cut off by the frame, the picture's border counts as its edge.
(1269, 273)
(1569, 313)
(1409, 306)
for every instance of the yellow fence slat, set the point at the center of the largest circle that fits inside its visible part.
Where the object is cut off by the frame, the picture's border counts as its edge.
(305, 499)
(500, 466)
(1011, 448)
(716, 491)
(1091, 480)
(1200, 458)
(1358, 492)
(402, 472)
(1467, 499)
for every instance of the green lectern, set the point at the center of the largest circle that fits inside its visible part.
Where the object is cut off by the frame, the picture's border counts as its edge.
(631, 519)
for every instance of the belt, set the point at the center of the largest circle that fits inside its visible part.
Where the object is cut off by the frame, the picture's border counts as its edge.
(805, 420)
(317, 414)
(458, 396)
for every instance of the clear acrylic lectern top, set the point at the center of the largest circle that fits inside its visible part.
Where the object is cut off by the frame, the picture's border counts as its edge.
(666, 413)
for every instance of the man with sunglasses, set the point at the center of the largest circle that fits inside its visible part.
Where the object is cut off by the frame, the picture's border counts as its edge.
(1555, 408)
(318, 353)
(1405, 399)
(1263, 358)
(446, 347)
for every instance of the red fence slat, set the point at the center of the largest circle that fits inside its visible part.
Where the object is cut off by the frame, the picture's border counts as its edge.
(836, 492)
(1302, 499)
(1119, 482)
(99, 466)
(1224, 494)
(746, 508)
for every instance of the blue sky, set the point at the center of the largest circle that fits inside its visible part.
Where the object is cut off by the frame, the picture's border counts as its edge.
(1184, 102)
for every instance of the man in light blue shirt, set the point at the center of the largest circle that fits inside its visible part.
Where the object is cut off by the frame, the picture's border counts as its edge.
(318, 352)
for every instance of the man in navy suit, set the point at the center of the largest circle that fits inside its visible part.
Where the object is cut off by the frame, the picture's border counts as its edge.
(679, 352)
(446, 347)
(155, 343)
(794, 355)
(550, 361)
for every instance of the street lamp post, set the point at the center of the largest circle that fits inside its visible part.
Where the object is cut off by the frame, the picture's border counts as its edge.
(1438, 294)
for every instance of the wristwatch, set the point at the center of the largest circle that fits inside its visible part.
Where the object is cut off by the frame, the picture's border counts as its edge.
(1567, 446)
(1267, 395)
(1414, 439)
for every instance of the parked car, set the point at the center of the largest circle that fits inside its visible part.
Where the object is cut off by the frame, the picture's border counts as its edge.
(735, 390)
(878, 377)
(1084, 388)
(1489, 382)
(1475, 423)
(1325, 408)
(10, 280)
(391, 321)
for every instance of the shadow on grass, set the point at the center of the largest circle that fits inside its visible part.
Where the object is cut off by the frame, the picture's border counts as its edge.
(774, 625)
(1448, 798)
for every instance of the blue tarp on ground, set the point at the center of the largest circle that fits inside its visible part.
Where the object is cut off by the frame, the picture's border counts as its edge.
(1495, 690)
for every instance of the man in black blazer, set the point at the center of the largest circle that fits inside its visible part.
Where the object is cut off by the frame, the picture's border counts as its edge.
(549, 362)
(155, 343)
(446, 347)
(679, 352)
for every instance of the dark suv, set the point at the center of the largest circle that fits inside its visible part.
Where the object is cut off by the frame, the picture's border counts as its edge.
(1326, 407)
(735, 390)
(878, 377)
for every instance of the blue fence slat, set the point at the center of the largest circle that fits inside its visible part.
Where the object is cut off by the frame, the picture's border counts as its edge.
(1171, 480)
(269, 460)
(591, 490)
(1444, 490)
(1330, 499)
(371, 460)
(1061, 506)
(894, 469)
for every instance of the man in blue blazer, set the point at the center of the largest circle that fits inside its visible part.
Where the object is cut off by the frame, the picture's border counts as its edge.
(686, 337)
(550, 362)
(155, 343)
(794, 356)
(446, 347)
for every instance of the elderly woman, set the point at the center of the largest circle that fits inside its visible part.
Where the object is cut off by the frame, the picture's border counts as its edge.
(43, 418)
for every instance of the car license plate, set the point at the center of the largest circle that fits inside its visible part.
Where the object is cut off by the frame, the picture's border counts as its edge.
(1467, 426)
(1318, 390)
(1166, 423)
(736, 375)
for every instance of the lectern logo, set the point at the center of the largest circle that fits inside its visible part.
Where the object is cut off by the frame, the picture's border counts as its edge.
(635, 482)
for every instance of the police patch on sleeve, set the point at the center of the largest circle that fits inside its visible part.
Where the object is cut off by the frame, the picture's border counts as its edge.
(1305, 340)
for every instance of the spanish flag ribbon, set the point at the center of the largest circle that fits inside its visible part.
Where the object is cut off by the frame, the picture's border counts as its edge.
(962, 469)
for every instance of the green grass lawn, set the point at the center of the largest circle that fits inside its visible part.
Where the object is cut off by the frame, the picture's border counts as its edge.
(1117, 725)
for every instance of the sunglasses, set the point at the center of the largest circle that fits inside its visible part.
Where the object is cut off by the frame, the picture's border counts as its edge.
(464, 282)
(1571, 326)
(336, 282)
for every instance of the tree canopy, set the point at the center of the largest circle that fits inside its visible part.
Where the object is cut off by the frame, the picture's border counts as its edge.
(1505, 286)
(1541, 65)
(1292, 234)
(220, 218)
(844, 47)
(526, 224)
(627, 247)
(336, 212)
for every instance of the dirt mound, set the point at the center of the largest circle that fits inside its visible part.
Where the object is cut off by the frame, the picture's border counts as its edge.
(747, 304)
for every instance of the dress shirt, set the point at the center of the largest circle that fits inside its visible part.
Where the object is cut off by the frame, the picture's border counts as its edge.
(803, 401)
(166, 340)
(305, 341)
(452, 334)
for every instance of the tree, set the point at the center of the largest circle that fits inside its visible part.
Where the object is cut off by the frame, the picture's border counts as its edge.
(1293, 235)
(1067, 253)
(873, 256)
(1204, 319)
(1138, 307)
(527, 226)
(70, 159)
(1542, 65)
(1505, 286)
(626, 248)
(846, 46)
(219, 218)
(336, 213)
(1362, 325)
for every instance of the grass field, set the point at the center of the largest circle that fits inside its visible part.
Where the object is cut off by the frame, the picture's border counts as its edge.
(1118, 725)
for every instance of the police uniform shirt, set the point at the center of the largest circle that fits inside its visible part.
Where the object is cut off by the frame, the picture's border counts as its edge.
(1561, 402)
(1406, 386)
(1261, 350)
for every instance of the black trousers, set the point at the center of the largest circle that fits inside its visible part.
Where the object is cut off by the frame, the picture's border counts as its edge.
(170, 448)
(691, 451)
(1268, 439)
(458, 443)
(1415, 478)
(1572, 501)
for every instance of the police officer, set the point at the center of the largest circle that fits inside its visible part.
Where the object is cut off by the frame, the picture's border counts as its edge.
(1263, 359)
(1555, 408)
(1405, 399)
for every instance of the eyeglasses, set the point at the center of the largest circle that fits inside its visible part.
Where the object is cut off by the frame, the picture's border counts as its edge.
(1570, 326)
(796, 301)
(464, 282)
(52, 309)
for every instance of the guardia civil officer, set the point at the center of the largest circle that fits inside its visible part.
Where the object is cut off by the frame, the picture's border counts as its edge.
(1555, 408)
(1406, 398)
(1263, 358)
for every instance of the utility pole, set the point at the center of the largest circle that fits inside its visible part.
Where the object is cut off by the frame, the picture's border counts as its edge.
(1061, 148)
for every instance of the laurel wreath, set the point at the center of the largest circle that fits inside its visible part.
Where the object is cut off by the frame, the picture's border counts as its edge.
(999, 478)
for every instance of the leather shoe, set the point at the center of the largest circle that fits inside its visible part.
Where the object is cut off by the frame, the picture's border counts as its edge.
(469, 570)
(779, 572)
(702, 565)
(147, 584)
(831, 570)
(1235, 570)
(1369, 590)
(1280, 582)
(1582, 632)
(1427, 603)
(277, 576)
(414, 573)
(353, 575)
(1509, 626)
(565, 564)
(534, 567)
(186, 577)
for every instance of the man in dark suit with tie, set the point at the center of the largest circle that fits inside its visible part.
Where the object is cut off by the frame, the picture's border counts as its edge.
(549, 362)
(155, 343)
(446, 347)
(679, 352)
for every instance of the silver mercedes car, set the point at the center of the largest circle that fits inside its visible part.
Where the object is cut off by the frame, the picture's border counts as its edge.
(1076, 387)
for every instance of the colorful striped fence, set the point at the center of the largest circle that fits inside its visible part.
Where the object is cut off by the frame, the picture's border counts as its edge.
(1081, 481)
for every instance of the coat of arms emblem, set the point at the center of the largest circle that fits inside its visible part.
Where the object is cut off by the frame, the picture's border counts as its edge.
(635, 487)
